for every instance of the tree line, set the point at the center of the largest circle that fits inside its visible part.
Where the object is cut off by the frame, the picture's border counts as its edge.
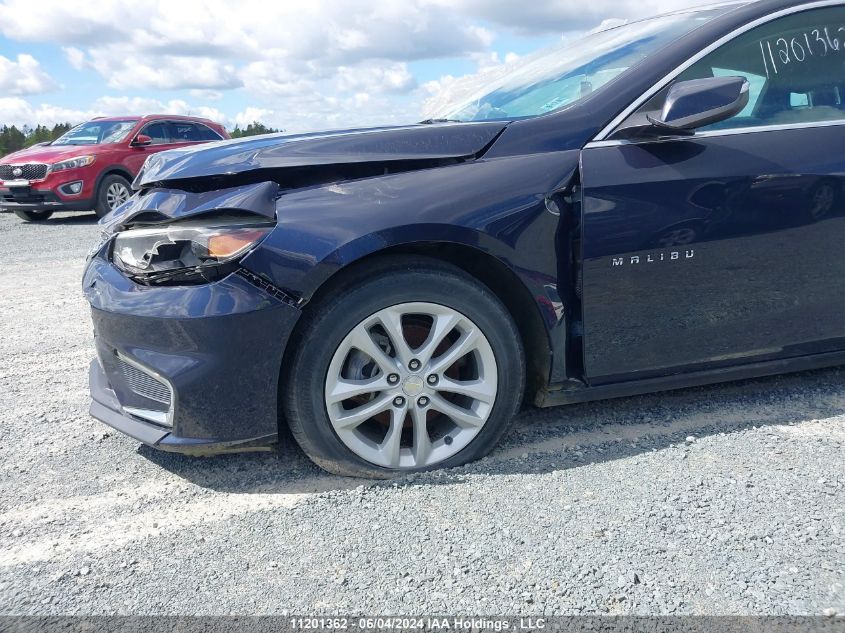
(13, 138)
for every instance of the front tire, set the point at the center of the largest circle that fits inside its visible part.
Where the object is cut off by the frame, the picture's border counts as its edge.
(114, 191)
(33, 216)
(414, 368)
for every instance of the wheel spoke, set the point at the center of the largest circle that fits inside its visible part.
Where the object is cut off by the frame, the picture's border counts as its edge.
(392, 446)
(480, 390)
(464, 418)
(461, 347)
(394, 410)
(442, 325)
(422, 440)
(362, 340)
(391, 321)
(344, 389)
(355, 417)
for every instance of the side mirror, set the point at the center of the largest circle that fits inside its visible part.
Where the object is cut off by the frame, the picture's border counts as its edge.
(699, 102)
(142, 140)
(689, 105)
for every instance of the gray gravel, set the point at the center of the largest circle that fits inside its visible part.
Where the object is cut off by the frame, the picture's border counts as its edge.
(722, 500)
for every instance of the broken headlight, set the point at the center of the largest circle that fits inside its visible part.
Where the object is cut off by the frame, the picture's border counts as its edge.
(191, 251)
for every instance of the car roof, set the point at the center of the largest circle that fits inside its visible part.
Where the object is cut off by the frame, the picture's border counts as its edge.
(154, 117)
(761, 7)
(726, 6)
(116, 118)
(175, 117)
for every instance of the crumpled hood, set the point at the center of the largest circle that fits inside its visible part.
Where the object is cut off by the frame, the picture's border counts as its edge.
(415, 142)
(163, 205)
(47, 154)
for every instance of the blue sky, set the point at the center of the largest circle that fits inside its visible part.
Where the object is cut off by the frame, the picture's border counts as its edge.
(331, 63)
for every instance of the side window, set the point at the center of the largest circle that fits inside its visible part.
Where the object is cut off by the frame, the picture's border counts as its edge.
(182, 132)
(157, 132)
(205, 133)
(186, 132)
(795, 65)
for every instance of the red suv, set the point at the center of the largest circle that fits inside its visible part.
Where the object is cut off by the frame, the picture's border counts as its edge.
(92, 166)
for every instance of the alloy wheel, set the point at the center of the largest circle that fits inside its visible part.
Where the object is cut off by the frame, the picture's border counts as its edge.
(411, 385)
(116, 195)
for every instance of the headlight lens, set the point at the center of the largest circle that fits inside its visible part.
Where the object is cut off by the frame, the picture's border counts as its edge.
(72, 163)
(185, 249)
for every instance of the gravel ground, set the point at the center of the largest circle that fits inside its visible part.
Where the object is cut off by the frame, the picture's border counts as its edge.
(722, 500)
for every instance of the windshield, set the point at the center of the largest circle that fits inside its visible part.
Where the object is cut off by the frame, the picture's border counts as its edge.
(96, 133)
(557, 77)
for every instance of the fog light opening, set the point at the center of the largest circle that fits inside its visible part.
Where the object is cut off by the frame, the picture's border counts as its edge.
(72, 188)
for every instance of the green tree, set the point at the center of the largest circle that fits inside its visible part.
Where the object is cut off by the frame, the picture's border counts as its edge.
(253, 129)
(12, 139)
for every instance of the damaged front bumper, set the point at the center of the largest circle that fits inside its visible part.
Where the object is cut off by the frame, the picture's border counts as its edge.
(191, 369)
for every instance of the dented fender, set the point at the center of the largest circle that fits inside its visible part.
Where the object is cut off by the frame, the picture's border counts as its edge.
(496, 207)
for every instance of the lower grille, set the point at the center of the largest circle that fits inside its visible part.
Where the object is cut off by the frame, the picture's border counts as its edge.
(23, 197)
(31, 171)
(144, 384)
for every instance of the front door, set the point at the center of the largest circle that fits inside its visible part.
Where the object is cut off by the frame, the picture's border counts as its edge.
(726, 247)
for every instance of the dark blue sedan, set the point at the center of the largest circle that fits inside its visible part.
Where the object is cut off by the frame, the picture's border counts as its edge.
(656, 206)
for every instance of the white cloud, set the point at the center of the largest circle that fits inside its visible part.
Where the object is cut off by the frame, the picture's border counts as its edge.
(251, 115)
(374, 78)
(550, 16)
(74, 56)
(206, 95)
(271, 80)
(491, 60)
(20, 112)
(205, 44)
(140, 105)
(24, 76)
(125, 69)
(315, 111)
(299, 66)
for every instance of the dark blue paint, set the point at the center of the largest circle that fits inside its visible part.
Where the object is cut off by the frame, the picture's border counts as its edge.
(419, 142)
(259, 198)
(762, 282)
(219, 345)
(698, 96)
(508, 191)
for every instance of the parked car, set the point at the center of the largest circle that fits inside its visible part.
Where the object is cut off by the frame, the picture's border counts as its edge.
(393, 295)
(92, 165)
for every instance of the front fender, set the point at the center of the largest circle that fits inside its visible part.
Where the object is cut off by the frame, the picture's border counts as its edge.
(495, 206)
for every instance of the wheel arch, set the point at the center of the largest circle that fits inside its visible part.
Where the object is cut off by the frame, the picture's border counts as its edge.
(482, 266)
(108, 171)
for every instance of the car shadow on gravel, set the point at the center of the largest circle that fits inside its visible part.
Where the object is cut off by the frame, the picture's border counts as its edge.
(548, 440)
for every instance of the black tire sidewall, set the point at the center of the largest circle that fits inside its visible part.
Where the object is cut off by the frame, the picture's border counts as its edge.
(304, 396)
(102, 205)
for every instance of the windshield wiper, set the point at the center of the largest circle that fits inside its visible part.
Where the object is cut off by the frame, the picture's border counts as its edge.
(433, 121)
